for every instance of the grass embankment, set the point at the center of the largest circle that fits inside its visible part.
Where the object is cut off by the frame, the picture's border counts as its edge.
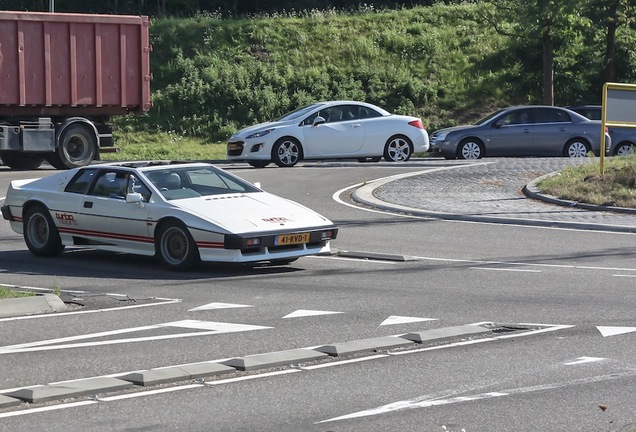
(616, 188)
(7, 292)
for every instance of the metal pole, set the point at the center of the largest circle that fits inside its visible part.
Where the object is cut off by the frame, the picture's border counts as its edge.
(51, 5)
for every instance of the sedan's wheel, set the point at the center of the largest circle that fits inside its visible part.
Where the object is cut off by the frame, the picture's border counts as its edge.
(40, 233)
(286, 152)
(25, 161)
(258, 164)
(175, 247)
(77, 147)
(470, 149)
(624, 149)
(576, 148)
(398, 149)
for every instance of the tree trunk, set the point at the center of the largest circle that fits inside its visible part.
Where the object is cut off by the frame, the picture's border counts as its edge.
(610, 45)
(548, 67)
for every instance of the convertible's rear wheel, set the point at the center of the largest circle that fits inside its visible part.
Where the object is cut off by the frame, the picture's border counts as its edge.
(40, 233)
(175, 247)
(576, 148)
(398, 149)
(286, 152)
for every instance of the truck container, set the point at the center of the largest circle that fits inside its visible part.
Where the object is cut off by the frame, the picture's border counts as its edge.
(62, 77)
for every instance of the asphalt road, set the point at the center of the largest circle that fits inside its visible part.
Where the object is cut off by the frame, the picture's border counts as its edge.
(576, 373)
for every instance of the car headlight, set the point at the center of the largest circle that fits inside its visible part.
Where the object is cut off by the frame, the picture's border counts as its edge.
(441, 136)
(259, 134)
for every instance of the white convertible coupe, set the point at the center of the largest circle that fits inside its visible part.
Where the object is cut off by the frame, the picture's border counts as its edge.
(181, 213)
(330, 130)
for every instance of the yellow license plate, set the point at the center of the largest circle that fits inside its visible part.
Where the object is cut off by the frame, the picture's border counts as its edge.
(291, 239)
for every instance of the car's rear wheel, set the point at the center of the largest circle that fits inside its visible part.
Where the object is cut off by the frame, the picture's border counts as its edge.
(258, 164)
(470, 148)
(624, 149)
(576, 148)
(175, 247)
(287, 152)
(40, 233)
(398, 149)
(25, 161)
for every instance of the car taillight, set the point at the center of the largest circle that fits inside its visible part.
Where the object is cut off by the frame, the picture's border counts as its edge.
(417, 123)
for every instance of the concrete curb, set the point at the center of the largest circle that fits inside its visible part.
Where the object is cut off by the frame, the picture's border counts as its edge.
(98, 385)
(31, 305)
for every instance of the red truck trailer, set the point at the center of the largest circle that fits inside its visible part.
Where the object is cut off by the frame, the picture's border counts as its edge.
(62, 76)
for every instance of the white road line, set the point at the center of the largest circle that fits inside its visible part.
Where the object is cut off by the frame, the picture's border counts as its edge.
(582, 360)
(506, 269)
(364, 260)
(622, 275)
(344, 362)
(46, 408)
(426, 403)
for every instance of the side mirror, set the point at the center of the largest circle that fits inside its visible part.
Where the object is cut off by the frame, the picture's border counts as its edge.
(318, 120)
(258, 185)
(135, 198)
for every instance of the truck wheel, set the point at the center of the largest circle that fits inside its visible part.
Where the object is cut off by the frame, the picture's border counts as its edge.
(40, 233)
(76, 147)
(25, 161)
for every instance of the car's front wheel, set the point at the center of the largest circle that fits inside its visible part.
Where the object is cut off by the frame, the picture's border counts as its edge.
(175, 247)
(470, 149)
(576, 148)
(286, 152)
(624, 149)
(398, 149)
(40, 233)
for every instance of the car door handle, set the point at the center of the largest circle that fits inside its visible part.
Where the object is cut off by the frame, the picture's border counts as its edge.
(88, 204)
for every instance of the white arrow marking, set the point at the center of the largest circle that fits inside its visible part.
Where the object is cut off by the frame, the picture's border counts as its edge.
(581, 360)
(393, 319)
(210, 306)
(613, 331)
(57, 344)
(305, 313)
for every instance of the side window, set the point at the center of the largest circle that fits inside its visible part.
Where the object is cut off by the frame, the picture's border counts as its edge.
(350, 112)
(364, 112)
(111, 184)
(81, 181)
(136, 186)
(550, 115)
(515, 118)
(310, 120)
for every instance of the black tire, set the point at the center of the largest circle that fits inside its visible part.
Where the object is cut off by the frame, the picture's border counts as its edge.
(624, 149)
(258, 164)
(24, 161)
(576, 148)
(282, 261)
(40, 233)
(470, 148)
(287, 152)
(398, 149)
(77, 147)
(175, 247)
(369, 159)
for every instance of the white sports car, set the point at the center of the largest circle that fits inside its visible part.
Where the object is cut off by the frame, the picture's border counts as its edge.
(179, 212)
(330, 130)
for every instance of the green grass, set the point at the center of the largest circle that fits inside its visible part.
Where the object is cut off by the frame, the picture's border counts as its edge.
(616, 187)
(8, 292)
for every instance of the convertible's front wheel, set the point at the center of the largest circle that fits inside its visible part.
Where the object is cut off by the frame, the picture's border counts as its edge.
(286, 152)
(175, 247)
(40, 233)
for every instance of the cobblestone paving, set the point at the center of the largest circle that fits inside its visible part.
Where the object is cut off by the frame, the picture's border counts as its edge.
(492, 188)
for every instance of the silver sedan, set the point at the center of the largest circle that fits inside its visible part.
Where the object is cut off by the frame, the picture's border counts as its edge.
(537, 130)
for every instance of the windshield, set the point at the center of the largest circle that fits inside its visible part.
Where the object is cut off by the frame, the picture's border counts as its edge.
(300, 112)
(488, 117)
(191, 182)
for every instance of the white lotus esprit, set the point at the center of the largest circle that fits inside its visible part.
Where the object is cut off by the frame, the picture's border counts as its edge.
(182, 213)
(330, 130)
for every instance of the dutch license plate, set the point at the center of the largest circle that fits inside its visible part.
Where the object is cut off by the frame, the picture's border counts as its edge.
(290, 239)
(233, 146)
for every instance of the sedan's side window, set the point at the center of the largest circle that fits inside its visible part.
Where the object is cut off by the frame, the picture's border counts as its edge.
(81, 181)
(550, 115)
(111, 184)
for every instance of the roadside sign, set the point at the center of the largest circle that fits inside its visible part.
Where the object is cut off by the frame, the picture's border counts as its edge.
(619, 110)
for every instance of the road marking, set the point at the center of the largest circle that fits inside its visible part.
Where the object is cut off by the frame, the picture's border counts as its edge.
(305, 313)
(622, 275)
(582, 360)
(58, 344)
(46, 408)
(426, 402)
(506, 269)
(613, 331)
(393, 319)
(210, 306)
